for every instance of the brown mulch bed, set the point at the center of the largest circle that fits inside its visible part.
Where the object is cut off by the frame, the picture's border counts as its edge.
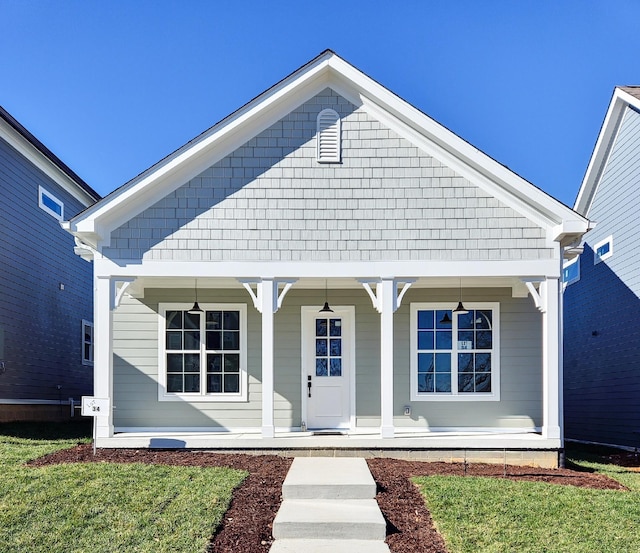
(246, 526)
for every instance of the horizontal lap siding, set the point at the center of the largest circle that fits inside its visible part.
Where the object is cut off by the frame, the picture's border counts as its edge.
(602, 372)
(41, 324)
(136, 359)
(386, 200)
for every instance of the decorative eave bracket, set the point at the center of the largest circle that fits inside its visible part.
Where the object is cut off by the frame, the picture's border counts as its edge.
(256, 295)
(376, 297)
(539, 294)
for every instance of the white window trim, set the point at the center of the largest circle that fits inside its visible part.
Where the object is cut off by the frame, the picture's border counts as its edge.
(85, 361)
(43, 191)
(454, 395)
(198, 397)
(567, 264)
(597, 258)
(319, 132)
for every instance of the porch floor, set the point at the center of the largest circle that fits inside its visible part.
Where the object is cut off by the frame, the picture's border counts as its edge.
(349, 443)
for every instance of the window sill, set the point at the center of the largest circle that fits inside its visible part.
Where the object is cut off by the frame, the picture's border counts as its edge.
(209, 398)
(459, 397)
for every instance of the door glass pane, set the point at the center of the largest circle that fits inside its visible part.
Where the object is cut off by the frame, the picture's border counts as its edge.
(321, 367)
(335, 347)
(335, 327)
(321, 346)
(335, 367)
(321, 327)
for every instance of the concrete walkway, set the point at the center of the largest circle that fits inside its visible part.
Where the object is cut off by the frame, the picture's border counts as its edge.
(329, 506)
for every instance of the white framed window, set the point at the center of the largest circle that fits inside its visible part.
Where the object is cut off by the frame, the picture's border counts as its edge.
(571, 271)
(455, 357)
(52, 205)
(328, 136)
(603, 250)
(203, 356)
(87, 342)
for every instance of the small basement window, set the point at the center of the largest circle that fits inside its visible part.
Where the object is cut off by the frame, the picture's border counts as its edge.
(603, 250)
(328, 136)
(52, 205)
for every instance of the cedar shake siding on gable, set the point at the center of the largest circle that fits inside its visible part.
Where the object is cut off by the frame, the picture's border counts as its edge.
(271, 200)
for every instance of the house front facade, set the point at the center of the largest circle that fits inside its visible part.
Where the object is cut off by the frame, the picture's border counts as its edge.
(46, 299)
(602, 332)
(327, 231)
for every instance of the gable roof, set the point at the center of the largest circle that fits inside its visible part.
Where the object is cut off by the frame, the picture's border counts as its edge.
(327, 70)
(623, 97)
(34, 150)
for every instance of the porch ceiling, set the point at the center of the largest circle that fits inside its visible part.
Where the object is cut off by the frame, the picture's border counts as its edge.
(331, 283)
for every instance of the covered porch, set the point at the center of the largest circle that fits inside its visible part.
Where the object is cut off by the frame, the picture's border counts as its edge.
(534, 284)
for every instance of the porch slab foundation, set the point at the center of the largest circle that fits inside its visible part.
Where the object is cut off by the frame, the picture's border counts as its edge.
(528, 449)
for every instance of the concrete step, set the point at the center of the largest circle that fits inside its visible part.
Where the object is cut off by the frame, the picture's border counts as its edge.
(329, 546)
(328, 478)
(347, 519)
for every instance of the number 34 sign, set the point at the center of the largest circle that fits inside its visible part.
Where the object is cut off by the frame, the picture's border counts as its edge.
(94, 406)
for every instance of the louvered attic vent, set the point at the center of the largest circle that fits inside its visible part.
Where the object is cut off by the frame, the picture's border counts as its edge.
(328, 136)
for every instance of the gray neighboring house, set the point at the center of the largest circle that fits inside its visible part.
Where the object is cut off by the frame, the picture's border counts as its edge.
(330, 189)
(46, 301)
(602, 288)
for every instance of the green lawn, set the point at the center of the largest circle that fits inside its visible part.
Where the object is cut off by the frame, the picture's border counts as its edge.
(493, 515)
(96, 507)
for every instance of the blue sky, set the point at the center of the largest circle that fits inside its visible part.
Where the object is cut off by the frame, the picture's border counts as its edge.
(113, 87)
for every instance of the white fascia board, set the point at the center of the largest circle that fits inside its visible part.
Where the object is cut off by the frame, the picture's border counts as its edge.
(533, 269)
(42, 162)
(194, 158)
(454, 151)
(602, 149)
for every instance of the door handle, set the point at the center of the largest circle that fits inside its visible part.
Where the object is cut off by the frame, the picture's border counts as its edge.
(309, 384)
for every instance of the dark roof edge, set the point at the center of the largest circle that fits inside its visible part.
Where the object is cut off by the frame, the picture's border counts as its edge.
(22, 131)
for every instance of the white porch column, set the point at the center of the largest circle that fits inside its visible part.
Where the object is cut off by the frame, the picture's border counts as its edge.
(269, 303)
(267, 300)
(103, 301)
(387, 302)
(551, 351)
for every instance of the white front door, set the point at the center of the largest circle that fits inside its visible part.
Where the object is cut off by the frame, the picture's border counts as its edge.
(328, 367)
